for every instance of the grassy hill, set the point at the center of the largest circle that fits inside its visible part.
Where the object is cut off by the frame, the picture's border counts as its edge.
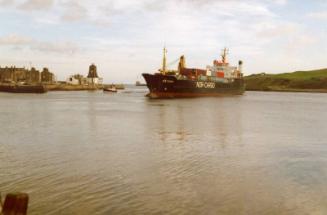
(314, 80)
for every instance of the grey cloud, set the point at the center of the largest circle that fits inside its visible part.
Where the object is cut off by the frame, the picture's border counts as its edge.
(222, 7)
(104, 13)
(156, 5)
(36, 5)
(19, 42)
(319, 15)
(61, 47)
(74, 12)
(14, 39)
(281, 30)
(6, 2)
(280, 2)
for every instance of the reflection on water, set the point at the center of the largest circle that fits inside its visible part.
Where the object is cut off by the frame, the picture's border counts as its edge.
(95, 153)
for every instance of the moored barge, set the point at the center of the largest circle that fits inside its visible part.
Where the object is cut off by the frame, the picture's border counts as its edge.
(22, 88)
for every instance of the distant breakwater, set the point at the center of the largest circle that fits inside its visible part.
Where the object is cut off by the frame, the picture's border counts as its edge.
(69, 87)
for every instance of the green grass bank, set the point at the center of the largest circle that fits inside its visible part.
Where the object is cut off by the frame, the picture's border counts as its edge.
(299, 81)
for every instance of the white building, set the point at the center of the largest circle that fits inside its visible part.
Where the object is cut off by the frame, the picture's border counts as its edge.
(72, 80)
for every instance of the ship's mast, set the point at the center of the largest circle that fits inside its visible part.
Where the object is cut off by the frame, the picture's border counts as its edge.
(224, 55)
(164, 60)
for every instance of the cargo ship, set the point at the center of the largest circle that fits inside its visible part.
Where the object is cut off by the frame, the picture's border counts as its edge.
(22, 88)
(216, 80)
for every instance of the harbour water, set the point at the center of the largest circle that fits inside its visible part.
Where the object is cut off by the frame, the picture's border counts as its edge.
(102, 153)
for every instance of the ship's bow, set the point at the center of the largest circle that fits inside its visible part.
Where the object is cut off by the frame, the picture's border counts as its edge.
(152, 83)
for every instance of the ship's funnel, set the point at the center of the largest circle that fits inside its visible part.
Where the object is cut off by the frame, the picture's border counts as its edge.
(240, 65)
(181, 64)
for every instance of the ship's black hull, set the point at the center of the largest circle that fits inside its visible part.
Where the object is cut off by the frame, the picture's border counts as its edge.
(168, 86)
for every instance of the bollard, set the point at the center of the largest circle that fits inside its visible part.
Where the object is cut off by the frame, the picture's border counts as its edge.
(15, 204)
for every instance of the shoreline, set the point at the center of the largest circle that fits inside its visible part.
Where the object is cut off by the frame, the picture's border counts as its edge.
(290, 90)
(314, 81)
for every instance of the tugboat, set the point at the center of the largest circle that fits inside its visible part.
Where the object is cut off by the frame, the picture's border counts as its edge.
(110, 88)
(216, 80)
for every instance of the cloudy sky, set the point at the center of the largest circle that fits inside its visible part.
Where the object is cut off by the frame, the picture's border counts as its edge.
(124, 38)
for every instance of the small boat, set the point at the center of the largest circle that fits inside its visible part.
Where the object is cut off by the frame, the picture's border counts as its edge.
(139, 84)
(111, 88)
(119, 86)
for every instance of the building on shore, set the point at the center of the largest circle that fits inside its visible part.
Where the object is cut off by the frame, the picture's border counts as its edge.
(92, 77)
(72, 80)
(77, 79)
(23, 75)
(47, 76)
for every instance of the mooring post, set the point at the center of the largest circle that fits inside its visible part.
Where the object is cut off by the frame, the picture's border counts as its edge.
(15, 204)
